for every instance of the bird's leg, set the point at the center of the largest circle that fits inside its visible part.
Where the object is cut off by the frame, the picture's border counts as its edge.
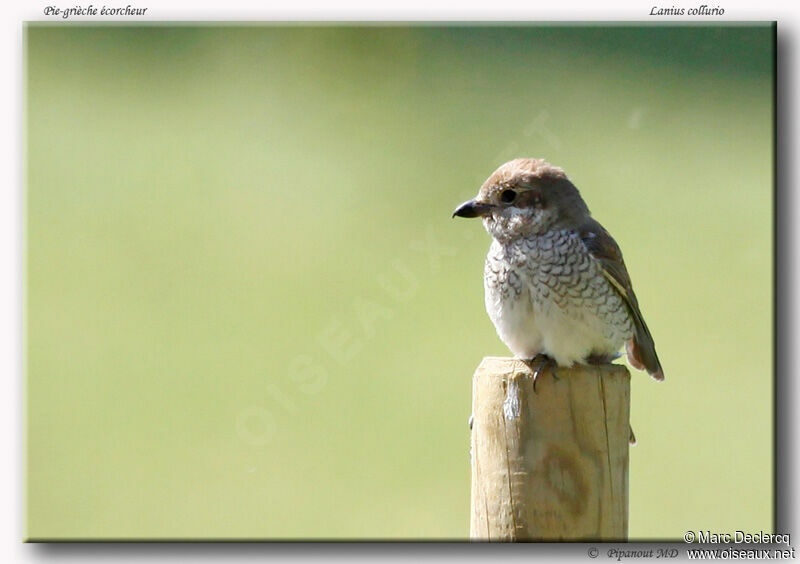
(471, 420)
(539, 364)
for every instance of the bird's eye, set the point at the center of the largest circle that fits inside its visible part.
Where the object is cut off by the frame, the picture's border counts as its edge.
(508, 196)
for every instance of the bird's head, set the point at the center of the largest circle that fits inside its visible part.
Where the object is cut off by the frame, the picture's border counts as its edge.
(526, 197)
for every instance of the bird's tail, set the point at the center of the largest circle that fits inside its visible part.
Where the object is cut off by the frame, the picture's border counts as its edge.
(642, 355)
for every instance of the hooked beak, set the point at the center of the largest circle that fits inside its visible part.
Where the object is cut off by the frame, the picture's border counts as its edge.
(472, 208)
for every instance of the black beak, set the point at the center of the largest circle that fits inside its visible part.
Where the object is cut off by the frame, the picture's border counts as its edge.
(472, 208)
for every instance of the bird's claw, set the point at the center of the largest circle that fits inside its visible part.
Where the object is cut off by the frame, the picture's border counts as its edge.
(538, 365)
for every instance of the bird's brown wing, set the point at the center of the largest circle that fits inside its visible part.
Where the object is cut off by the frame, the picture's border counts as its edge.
(641, 349)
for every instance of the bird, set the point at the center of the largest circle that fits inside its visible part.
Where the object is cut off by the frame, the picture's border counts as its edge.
(556, 286)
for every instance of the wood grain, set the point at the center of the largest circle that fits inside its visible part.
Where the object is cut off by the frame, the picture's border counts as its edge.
(552, 464)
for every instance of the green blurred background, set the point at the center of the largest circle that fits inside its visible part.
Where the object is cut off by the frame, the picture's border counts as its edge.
(249, 314)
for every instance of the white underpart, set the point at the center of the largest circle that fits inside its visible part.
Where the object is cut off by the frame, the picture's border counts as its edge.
(542, 302)
(516, 323)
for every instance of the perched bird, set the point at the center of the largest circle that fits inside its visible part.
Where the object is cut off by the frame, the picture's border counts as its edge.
(557, 289)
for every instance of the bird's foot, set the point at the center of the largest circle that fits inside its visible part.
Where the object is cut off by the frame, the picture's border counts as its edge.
(471, 420)
(602, 358)
(539, 364)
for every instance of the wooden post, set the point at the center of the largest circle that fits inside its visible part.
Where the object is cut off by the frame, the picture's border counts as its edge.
(552, 464)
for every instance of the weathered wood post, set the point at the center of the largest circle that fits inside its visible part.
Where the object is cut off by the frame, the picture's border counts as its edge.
(552, 464)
